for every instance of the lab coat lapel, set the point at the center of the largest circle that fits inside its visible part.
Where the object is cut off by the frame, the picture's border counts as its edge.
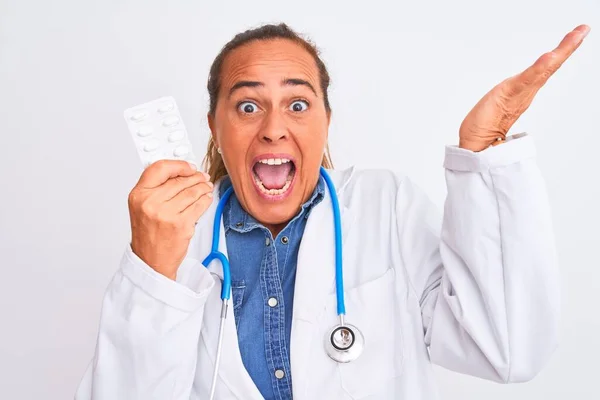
(231, 371)
(315, 279)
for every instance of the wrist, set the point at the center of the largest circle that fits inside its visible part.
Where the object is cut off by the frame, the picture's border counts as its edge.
(479, 145)
(167, 271)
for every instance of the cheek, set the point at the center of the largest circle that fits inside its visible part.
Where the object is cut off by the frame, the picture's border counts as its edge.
(235, 138)
(312, 141)
(234, 152)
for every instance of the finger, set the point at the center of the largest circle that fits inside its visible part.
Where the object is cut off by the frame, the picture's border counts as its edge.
(547, 64)
(163, 170)
(533, 77)
(572, 40)
(188, 196)
(568, 45)
(174, 186)
(195, 210)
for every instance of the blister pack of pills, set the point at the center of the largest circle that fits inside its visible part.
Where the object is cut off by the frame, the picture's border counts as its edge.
(158, 132)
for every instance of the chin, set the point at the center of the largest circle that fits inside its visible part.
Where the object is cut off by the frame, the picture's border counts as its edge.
(276, 215)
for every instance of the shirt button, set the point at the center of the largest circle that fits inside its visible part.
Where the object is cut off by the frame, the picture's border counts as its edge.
(284, 240)
(272, 302)
(239, 224)
(279, 374)
(268, 242)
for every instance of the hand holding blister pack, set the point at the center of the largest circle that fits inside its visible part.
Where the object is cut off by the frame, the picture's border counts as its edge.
(159, 132)
(168, 200)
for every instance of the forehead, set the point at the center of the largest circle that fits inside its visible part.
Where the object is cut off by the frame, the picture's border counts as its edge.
(269, 61)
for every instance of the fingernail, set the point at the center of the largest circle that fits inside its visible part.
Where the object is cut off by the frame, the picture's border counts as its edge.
(209, 194)
(586, 31)
(210, 184)
(194, 166)
(206, 176)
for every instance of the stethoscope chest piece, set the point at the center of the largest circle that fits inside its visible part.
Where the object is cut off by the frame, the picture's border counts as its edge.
(344, 343)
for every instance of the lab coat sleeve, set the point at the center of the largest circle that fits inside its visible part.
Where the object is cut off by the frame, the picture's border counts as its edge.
(488, 285)
(149, 332)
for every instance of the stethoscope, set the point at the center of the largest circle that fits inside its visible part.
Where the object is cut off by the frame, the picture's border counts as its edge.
(344, 342)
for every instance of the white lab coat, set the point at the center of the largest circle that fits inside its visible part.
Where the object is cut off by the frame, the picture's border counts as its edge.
(478, 294)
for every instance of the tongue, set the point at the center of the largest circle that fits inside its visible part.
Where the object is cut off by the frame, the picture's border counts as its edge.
(273, 176)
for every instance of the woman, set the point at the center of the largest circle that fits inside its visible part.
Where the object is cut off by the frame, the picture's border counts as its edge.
(478, 295)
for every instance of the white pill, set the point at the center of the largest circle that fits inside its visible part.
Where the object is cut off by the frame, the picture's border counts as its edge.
(181, 151)
(170, 121)
(176, 136)
(145, 130)
(165, 108)
(138, 116)
(151, 145)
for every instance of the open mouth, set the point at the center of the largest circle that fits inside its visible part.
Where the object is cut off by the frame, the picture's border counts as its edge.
(274, 177)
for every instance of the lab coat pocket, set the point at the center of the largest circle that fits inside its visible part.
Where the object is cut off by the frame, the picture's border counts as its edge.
(373, 309)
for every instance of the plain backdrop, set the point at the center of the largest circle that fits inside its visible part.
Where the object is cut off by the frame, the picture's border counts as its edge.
(404, 75)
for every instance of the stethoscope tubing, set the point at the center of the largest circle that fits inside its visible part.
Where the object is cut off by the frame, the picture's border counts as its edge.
(226, 285)
(215, 253)
(337, 221)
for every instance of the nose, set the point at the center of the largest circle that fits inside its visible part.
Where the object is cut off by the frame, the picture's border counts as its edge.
(274, 128)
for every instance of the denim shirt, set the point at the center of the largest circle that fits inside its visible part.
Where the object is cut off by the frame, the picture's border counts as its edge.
(263, 272)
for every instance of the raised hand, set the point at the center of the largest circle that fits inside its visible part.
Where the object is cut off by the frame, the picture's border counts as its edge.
(163, 207)
(491, 118)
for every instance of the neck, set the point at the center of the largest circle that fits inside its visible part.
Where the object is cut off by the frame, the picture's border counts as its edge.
(275, 229)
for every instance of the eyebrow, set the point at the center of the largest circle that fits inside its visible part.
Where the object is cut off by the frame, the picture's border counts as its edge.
(285, 82)
(298, 82)
(241, 84)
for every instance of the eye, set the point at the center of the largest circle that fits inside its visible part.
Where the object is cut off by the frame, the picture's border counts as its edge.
(247, 107)
(299, 106)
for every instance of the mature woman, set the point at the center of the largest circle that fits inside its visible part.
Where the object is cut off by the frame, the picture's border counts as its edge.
(477, 294)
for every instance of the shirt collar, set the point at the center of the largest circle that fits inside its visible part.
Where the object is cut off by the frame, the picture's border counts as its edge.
(236, 218)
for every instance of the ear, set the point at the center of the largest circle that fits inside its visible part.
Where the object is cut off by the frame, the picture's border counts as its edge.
(211, 125)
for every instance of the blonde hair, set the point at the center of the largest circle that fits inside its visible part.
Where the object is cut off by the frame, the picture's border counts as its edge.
(213, 162)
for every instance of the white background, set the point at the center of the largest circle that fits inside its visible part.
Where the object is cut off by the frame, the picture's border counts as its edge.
(405, 73)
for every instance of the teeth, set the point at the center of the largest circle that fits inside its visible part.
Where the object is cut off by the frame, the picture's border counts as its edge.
(274, 192)
(288, 182)
(274, 161)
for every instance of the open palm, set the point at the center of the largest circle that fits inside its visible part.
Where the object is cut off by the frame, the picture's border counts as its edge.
(491, 118)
